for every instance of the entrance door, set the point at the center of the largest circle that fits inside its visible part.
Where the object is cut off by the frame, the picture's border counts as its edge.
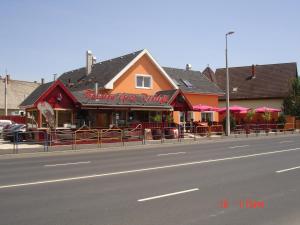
(102, 119)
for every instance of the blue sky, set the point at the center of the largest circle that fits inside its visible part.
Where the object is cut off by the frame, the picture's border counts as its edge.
(42, 38)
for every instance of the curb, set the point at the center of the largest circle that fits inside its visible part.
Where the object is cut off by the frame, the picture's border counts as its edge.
(209, 140)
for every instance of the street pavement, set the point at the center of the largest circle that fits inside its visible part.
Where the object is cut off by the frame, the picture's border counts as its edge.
(231, 182)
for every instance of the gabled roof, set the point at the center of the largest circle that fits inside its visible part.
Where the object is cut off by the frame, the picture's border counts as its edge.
(172, 94)
(271, 81)
(109, 85)
(200, 83)
(43, 91)
(31, 99)
(210, 74)
(105, 73)
(102, 72)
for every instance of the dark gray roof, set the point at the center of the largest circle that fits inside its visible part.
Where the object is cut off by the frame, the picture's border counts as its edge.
(102, 73)
(31, 99)
(118, 100)
(210, 74)
(200, 83)
(271, 81)
(168, 93)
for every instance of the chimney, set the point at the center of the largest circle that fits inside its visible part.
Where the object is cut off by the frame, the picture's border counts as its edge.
(253, 71)
(42, 81)
(54, 77)
(94, 60)
(188, 67)
(89, 61)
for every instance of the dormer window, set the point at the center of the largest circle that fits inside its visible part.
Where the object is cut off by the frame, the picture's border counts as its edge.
(143, 81)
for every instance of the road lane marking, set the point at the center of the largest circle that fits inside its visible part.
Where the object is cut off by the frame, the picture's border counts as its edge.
(239, 146)
(285, 170)
(145, 169)
(168, 195)
(281, 142)
(173, 153)
(67, 164)
(218, 213)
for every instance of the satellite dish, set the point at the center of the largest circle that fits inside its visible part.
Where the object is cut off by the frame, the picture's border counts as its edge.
(48, 112)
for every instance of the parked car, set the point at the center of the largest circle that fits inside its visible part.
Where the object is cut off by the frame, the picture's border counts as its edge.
(21, 134)
(6, 129)
(10, 132)
(4, 123)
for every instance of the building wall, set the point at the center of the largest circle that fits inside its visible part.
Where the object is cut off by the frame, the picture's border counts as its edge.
(17, 91)
(127, 82)
(272, 103)
(211, 100)
(9, 111)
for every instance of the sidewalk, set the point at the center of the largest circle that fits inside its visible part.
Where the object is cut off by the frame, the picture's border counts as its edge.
(34, 150)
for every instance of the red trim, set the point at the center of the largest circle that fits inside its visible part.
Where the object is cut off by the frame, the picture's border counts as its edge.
(51, 88)
(178, 91)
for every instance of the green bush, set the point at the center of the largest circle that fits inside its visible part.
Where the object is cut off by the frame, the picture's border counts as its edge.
(281, 119)
(232, 123)
(250, 116)
(157, 118)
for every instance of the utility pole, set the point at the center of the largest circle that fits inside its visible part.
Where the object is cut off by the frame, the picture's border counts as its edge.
(5, 93)
(227, 88)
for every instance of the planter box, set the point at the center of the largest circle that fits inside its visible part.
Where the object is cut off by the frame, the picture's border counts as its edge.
(156, 133)
(170, 133)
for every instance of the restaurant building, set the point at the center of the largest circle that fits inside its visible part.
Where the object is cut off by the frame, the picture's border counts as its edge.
(124, 91)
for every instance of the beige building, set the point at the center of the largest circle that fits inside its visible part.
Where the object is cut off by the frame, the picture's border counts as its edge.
(17, 91)
(255, 86)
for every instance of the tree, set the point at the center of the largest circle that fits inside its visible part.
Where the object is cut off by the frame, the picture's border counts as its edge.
(291, 103)
(250, 116)
(267, 116)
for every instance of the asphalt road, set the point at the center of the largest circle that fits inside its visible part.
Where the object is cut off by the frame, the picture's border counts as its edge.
(238, 182)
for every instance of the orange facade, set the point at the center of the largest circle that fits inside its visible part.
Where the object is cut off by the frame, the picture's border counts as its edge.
(204, 99)
(144, 66)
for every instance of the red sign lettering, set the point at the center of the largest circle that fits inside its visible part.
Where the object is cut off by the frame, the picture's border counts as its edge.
(127, 98)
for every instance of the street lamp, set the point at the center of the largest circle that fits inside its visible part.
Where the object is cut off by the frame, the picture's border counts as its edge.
(227, 89)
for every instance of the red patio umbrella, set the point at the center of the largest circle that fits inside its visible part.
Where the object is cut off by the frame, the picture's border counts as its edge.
(202, 108)
(266, 109)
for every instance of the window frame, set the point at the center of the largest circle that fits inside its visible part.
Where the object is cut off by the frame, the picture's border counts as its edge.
(143, 75)
(56, 112)
(208, 112)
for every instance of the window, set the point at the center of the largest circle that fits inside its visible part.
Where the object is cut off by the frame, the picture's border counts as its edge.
(190, 116)
(187, 83)
(32, 118)
(63, 117)
(143, 81)
(206, 116)
(176, 82)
